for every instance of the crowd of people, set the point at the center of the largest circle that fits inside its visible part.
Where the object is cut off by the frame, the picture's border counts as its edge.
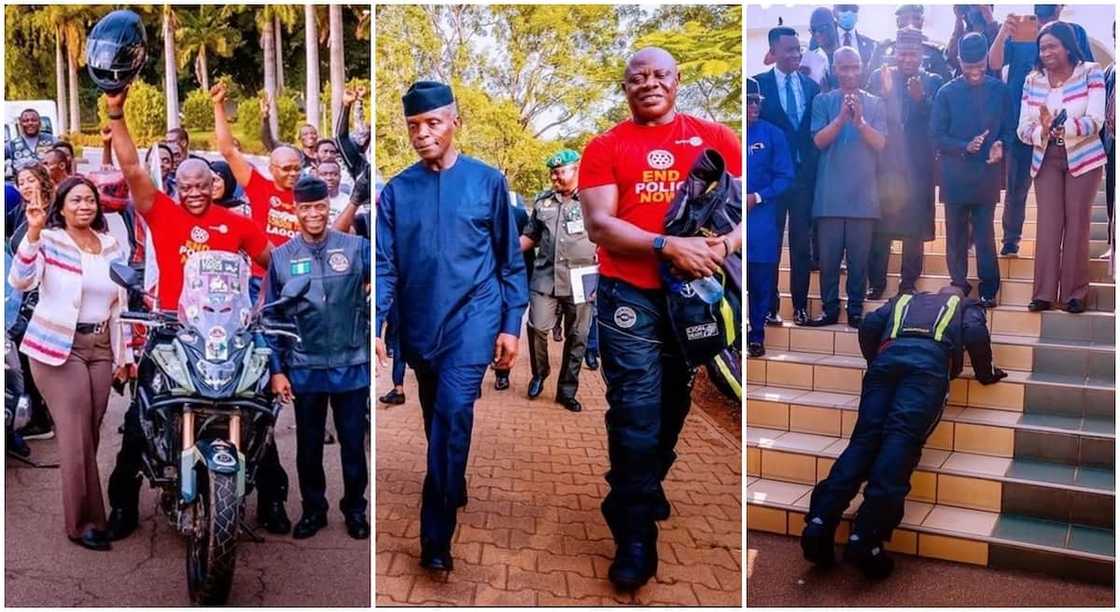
(449, 237)
(854, 142)
(66, 226)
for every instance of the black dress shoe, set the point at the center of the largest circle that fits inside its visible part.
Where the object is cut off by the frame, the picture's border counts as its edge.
(822, 320)
(274, 518)
(501, 382)
(855, 321)
(1009, 250)
(393, 397)
(121, 524)
(873, 294)
(756, 349)
(591, 360)
(817, 543)
(357, 526)
(571, 403)
(93, 539)
(773, 319)
(986, 302)
(635, 562)
(536, 385)
(1075, 306)
(800, 316)
(309, 524)
(1038, 305)
(436, 560)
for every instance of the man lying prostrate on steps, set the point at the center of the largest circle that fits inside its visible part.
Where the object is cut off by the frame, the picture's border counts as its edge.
(914, 345)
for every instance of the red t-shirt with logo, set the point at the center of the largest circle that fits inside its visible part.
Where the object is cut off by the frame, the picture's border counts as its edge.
(176, 234)
(273, 210)
(648, 163)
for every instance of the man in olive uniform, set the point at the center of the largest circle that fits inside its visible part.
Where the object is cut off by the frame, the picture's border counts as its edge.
(933, 55)
(556, 226)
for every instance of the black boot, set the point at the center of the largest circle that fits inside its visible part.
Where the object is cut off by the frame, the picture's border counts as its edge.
(817, 543)
(436, 558)
(121, 524)
(309, 524)
(869, 556)
(635, 562)
(274, 518)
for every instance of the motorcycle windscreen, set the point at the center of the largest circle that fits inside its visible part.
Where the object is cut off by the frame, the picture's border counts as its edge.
(215, 299)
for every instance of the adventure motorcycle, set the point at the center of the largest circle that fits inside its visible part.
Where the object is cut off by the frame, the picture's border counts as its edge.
(206, 408)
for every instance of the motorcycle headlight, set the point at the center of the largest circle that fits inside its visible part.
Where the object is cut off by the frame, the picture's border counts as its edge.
(255, 365)
(172, 360)
(216, 375)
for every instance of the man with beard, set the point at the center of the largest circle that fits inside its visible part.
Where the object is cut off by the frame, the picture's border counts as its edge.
(448, 256)
(330, 364)
(30, 144)
(906, 165)
(628, 177)
(176, 230)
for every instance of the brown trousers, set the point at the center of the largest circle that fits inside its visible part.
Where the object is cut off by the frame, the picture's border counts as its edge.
(1061, 254)
(77, 394)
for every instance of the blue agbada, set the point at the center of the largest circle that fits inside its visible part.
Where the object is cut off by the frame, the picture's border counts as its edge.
(448, 254)
(769, 174)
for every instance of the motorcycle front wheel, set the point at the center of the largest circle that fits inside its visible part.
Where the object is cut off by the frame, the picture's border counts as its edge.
(212, 552)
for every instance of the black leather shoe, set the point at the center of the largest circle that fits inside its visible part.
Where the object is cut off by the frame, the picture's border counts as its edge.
(1075, 306)
(822, 321)
(93, 539)
(571, 403)
(855, 321)
(274, 518)
(436, 560)
(873, 294)
(871, 558)
(357, 526)
(756, 349)
(309, 524)
(393, 397)
(501, 382)
(1038, 305)
(1009, 250)
(817, 544)
(121, 524)
(800, 316)
(536, 385)
(591, 360)
(635, 562)
(773, 319)
(987, 302)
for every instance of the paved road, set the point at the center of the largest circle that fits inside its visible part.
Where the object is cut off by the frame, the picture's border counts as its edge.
(777, 576)
(42, 567)
(532, 533)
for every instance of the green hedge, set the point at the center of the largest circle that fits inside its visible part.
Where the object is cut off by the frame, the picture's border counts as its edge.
(249, 117)
(198, 111)
(145, 110)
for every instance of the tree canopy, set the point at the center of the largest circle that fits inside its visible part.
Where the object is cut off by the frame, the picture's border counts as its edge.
(532, 79)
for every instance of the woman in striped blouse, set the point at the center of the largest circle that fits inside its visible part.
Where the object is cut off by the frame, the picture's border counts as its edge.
(74, 340)
(1066, 164)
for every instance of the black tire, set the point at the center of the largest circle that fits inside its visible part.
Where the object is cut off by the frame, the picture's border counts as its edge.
(212, 555)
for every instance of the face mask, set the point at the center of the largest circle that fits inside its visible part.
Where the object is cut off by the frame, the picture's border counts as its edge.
(846, 19)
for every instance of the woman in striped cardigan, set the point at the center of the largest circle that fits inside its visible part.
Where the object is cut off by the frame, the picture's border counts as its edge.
(74, 340)
(1066, 164)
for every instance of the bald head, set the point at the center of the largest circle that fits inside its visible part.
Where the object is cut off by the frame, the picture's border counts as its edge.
(650, 83)
(192, 168)
(194, 185)
(848, 66)
(285, 163)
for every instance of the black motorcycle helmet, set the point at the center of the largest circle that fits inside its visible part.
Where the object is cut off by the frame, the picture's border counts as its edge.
(116, 50)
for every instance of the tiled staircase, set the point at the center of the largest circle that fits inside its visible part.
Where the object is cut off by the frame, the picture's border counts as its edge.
(1019, 474)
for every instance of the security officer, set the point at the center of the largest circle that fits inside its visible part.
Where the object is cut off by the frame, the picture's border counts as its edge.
(933, 55)
(331, 362)
(914, 345)
(556, 225)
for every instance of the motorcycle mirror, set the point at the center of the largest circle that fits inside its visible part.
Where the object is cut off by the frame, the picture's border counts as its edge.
(125, 276)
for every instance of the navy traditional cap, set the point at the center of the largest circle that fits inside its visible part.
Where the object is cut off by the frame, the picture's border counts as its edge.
(562, 158)
(914, 8)
(908, 37)
(973, 48)
(423, 96)
(310, 189)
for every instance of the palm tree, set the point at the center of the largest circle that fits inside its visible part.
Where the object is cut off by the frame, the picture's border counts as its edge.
(311, 41)
(170, 68)
(265, 19)
(201, 33)
(69, 25)
(60, 83)
(338, 72)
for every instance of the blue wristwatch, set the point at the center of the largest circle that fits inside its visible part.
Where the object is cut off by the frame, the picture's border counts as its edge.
(659, 244)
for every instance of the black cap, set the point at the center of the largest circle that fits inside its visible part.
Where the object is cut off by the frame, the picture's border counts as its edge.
(973, 48)
(424, 96)
(311, 189)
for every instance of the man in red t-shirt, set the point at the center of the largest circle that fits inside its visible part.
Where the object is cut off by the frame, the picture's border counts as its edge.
(271, 202)
(627, 179)
(176, 231)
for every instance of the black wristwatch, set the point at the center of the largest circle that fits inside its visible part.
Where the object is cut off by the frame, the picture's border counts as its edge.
(659, 245)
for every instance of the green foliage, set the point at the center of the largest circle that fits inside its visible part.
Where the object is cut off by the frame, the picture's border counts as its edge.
(249, 118)
(248, 121)
(198, 111)
(325, 103)
(145, 111)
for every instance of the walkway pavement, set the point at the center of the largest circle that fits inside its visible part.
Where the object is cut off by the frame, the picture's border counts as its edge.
(532, 533)
(42, 567)
(777, 576)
